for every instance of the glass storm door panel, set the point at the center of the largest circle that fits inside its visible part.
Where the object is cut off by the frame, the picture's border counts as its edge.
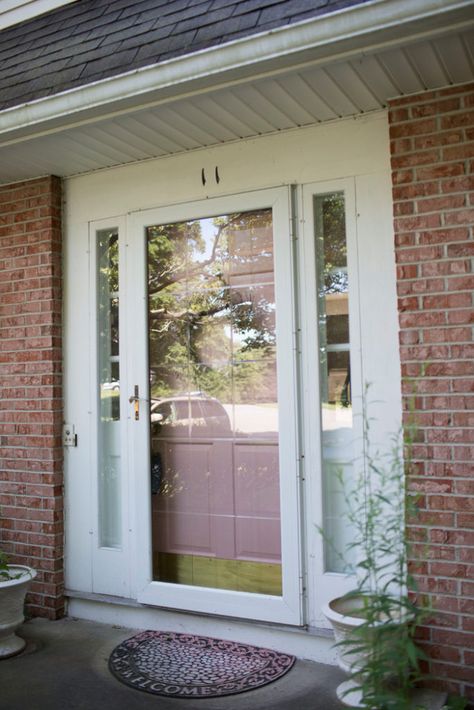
(109, 492)
(109, 524)
(214, 403)
(337, 425)
(219, 538)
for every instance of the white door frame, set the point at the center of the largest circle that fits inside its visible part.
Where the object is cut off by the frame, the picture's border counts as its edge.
(287, 608)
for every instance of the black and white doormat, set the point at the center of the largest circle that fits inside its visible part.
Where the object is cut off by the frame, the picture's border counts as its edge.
(186, 666)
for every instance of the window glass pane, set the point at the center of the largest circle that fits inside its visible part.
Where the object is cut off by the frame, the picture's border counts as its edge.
(109, 387)
(335, 374)
(214, 407)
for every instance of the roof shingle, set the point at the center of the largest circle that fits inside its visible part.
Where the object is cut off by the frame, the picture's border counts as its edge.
(90, 40)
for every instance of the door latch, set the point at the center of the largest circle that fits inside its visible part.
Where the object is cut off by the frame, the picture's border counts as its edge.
(135, 400)
(69, 435)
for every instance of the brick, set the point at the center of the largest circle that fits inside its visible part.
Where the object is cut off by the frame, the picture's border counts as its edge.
(454, 537)
(407, 272)
(422, 320)
(461, 283)
(438, 139)
(441, 203)
(404, 240)
(444, 170)
(459, 217)
(409, 337)
(460, 317)
(445, 569)
(419, 158)
(430, 486)
(403, 145)
(449, 300)
(435, 107)
(402, 208)
(421, 286)
(399, 177)
(451, 638)
(460, 152)
(422, 189)
(463, 453)
(406, 224)
(422, 253)
(452, 671)
(397, 115)
(464, 118)
(460, 250)
(408, 304)
(452, 655)
(437, 585)
(413, 128)
(439, 236)
(459, 184)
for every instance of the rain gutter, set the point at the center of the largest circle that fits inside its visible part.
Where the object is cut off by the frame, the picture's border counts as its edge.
(353, 30)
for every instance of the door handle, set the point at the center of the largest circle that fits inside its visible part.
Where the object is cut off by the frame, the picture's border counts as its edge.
(135, 400)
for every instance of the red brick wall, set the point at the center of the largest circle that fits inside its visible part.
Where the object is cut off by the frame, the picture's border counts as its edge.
(31, 503)
(432, 159)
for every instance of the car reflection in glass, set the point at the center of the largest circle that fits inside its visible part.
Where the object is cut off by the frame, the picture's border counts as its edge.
(114, 386)
(193, 414)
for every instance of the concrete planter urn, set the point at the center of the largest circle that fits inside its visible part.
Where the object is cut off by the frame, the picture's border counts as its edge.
(14, 582)
(344, 615)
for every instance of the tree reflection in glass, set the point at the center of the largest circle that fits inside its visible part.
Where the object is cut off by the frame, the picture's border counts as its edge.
(335, 373)
(214, 411)
(108, 358)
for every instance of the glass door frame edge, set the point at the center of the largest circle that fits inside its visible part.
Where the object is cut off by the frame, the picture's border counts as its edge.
(288, 608)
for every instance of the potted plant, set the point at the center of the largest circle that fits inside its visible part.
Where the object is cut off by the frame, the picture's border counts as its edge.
(14, 582)
(374, 625)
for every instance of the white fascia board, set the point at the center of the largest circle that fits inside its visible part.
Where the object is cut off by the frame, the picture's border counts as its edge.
(361, 28)
(12, 12)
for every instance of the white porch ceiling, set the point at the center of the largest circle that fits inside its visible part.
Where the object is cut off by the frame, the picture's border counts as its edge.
(307, 95)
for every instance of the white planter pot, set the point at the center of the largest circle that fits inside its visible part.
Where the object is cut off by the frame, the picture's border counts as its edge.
(12, 599)
(345, 615)
(342, 613)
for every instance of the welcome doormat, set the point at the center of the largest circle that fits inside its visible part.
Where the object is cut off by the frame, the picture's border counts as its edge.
(186, 666)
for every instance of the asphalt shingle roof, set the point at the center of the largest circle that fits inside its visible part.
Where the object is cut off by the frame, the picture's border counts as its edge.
(90, 40)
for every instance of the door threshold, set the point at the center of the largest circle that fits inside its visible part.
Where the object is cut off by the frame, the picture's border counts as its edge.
(311, 643)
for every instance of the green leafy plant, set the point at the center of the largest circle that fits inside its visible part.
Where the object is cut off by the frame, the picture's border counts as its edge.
(5, 571)
(455, 702)
(382, 651)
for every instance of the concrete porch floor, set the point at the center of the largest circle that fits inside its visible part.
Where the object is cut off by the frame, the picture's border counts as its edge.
(64, 667)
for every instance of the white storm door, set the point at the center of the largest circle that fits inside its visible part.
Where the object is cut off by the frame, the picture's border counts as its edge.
(213, 417)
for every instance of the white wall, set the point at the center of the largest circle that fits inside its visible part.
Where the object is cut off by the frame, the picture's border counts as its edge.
(356, 146)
